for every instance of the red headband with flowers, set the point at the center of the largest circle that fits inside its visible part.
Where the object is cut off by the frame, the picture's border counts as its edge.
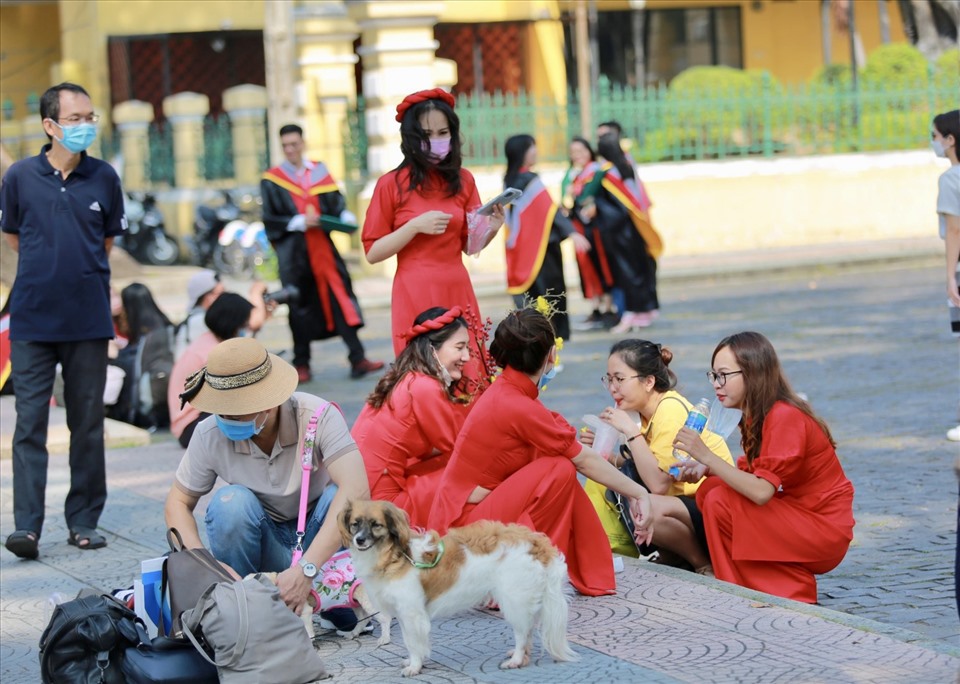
(423, 96)
(440, 321)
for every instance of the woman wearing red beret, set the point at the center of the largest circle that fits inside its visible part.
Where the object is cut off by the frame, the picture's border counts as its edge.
(419, 213)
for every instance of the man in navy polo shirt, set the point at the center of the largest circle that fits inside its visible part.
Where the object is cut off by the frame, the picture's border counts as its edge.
(60, 211)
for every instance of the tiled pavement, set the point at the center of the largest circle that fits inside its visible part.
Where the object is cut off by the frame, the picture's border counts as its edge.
(866, 343)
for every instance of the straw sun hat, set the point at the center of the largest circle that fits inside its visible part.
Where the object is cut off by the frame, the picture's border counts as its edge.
(240, 378)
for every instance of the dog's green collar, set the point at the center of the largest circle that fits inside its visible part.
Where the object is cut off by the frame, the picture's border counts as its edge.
(419, 565)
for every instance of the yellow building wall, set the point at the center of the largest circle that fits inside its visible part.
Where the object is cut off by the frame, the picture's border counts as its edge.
(784, 36)
(30, 44)
(87, 24)
(475, 11)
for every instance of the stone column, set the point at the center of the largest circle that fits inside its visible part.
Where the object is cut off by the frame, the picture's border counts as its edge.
(10, 132)
(246, 106)
(185, 112)
(132, 120)
(399, 54)
(324, 45)
(32, 136)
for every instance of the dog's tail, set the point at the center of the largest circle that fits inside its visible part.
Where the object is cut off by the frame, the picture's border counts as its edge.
(553, 622)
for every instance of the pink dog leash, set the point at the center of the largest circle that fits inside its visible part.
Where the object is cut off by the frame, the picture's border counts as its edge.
(306, 464)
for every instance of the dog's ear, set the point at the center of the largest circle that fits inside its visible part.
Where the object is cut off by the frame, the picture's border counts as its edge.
(343, 522)
(398, 525)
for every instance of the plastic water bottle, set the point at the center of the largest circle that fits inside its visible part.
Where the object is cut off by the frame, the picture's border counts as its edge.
(50, 605)
(696, 420)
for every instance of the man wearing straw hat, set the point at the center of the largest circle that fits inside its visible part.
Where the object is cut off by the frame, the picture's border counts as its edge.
(253, 441)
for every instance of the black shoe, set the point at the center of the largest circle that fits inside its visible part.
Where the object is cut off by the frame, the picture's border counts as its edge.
(343, 619)
(592, 322)
(610, 319)
(24, 544)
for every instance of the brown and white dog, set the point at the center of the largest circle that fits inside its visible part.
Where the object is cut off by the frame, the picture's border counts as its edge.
(416, 577)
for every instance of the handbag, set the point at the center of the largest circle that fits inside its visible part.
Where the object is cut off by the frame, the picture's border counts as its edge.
(254, 637)
(166, 661)
(86, 639)
(187, 573)
(622, 506)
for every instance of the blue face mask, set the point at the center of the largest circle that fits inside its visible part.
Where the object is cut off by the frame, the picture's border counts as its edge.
(239, 430)
(77, 138)
(547, 377)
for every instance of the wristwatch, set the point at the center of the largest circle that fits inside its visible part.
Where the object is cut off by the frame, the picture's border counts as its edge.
(309, 570)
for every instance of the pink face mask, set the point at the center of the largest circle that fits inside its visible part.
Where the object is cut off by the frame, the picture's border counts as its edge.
(439, 148)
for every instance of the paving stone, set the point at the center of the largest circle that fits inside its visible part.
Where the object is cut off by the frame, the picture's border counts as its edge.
(853, 339)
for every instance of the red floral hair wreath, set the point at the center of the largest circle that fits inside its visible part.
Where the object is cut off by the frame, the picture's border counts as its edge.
(440, 321)
(423, 96)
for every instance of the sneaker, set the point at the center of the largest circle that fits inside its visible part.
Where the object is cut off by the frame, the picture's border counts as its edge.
(365, 366)
(611, 319)
(340, 619)
(592, 322)
(303, 373)
(954, 434)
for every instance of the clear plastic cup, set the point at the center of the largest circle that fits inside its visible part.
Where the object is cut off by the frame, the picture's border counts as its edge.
(606, 437)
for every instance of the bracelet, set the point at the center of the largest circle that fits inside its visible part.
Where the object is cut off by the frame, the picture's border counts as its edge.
(630, 439)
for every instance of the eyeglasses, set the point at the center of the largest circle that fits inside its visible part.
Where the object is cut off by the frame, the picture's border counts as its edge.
(615, 380)
(720, 379)
(77, 120)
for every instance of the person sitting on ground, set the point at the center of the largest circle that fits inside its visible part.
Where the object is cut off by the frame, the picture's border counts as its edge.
(146, 360)
(408, 426)
(203, 288)
(517, 462)
(639, 380)
(784, 513)
(252, 441)
(227, 317)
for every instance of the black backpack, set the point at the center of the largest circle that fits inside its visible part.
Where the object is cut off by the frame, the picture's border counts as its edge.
(151, 374)
(85, 641)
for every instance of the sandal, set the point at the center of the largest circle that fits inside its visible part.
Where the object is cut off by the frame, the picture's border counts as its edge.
(24, 544)
(86, 538)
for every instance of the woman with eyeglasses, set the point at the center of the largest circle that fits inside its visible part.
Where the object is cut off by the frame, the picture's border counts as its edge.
(784, 514)
(640, 381)
(516, 461)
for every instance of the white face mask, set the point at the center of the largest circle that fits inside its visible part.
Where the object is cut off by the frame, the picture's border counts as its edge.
(444, 373)
(937, 148)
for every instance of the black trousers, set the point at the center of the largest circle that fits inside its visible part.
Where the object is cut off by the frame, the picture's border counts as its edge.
(84, 375)
(300, 329)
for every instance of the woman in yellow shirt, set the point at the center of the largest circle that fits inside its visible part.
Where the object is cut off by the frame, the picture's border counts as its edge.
(640, 381)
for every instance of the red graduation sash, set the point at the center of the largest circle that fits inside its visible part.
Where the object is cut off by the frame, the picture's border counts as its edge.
(305, 194)
(615, 186)
(529, 221)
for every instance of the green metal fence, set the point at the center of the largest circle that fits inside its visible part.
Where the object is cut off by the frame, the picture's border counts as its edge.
(765, 120)
(159, 162)
(217, 161)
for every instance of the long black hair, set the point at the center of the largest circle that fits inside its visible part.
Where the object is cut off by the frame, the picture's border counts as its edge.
(143, 314)
(418, 356)
(413, 140)
(515, 150)
(609, 148)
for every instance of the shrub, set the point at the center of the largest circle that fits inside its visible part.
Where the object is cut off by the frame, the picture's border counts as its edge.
(711, 111)
(946, 73)
(832, 75)
(894, 130)
(896, 66)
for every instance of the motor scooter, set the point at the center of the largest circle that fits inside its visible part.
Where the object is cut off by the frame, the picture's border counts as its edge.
(208, 222)
(145, 239)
